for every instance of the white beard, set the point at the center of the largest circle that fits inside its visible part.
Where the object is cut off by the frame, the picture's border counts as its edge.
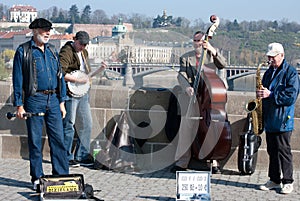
(42, 39)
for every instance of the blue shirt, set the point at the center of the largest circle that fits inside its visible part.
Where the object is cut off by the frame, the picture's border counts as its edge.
(47, 67)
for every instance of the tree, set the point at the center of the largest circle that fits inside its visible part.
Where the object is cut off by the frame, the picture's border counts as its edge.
(185, 24)
(74, 15)
(198, 24)
(86, 15)
(274, 25)
(233, 26)
(54, 13)
(178, 21)
(99, 17)
(61, 17)
(47, 14)
(5, 57)
(8, 54)
(1, 11)
(137, 20)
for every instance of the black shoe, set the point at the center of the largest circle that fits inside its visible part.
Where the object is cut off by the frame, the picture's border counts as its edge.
(97, 165)
(215, 170)
(87, 162)
(73, 163)
(177, 168)
(105, 168)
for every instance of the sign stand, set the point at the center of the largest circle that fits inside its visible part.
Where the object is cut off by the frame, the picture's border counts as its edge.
(192, 185)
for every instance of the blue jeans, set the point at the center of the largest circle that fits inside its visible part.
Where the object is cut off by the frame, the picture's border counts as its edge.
(78, 109)
(48, 104)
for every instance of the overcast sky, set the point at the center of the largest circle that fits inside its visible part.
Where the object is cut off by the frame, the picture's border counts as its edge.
(249, 10)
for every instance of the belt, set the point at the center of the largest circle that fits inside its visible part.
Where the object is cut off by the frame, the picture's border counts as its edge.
(47, 92)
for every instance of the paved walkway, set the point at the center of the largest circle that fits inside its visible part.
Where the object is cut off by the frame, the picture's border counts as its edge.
(161, 185)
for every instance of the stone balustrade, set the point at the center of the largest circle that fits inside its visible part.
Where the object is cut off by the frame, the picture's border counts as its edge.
(144, 105)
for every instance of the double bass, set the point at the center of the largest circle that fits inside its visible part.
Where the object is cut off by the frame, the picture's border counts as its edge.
(213, 138)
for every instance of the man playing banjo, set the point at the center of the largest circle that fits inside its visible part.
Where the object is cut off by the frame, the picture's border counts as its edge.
(74, 61)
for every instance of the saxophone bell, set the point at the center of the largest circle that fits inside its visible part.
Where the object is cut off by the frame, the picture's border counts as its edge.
(251, 106)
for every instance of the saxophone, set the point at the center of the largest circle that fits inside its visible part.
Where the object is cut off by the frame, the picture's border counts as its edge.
(255, 106)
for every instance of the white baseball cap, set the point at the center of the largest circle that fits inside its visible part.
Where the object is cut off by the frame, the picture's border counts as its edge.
(274, 49)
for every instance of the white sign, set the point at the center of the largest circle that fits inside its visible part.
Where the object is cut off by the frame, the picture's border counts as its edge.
(193, 185)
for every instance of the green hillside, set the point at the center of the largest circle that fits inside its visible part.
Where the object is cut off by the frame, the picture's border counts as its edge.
(243, 48)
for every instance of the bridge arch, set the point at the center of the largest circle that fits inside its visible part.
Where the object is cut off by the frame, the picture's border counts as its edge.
(239, 78)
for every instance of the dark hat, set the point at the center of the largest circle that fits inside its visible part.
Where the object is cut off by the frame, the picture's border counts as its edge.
(40, 23)
(83, 37)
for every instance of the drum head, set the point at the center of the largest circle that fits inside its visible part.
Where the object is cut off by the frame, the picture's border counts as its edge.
(78, 89)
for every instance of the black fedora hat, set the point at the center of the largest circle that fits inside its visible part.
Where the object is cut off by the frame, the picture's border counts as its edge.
(40, 23)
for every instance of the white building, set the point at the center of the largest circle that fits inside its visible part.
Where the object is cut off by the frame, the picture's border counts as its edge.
(110, 48)
(22, 13)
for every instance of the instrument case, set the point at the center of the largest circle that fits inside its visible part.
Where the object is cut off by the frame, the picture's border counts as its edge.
(248, 151)
(62, 187)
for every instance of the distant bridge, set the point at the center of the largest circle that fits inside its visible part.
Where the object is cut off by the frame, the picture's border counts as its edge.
(238, 77)
(118, 70)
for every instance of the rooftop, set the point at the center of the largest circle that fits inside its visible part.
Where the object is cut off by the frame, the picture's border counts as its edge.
(24, 8)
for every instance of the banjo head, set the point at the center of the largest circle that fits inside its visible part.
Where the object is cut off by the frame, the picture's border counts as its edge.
(78, 89)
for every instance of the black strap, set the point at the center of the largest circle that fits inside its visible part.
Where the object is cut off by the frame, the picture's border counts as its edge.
(59, 74)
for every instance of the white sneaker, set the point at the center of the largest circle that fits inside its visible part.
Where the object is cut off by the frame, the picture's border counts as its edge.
(35, 184)
(269, 185)
(287, 188)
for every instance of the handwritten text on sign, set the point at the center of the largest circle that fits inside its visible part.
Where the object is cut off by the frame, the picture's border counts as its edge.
(192, 183)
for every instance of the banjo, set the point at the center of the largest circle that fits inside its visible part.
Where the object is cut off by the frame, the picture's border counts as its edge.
(77, 89)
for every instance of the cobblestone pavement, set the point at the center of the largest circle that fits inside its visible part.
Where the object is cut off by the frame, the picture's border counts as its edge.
(160, 185)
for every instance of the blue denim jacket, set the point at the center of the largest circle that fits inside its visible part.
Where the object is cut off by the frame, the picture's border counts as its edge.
(44, 74)
(279, 107)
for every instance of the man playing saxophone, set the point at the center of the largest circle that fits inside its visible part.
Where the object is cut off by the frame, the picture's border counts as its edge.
(279, 93)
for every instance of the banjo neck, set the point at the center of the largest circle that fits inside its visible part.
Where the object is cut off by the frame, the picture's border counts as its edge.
(98, 70)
